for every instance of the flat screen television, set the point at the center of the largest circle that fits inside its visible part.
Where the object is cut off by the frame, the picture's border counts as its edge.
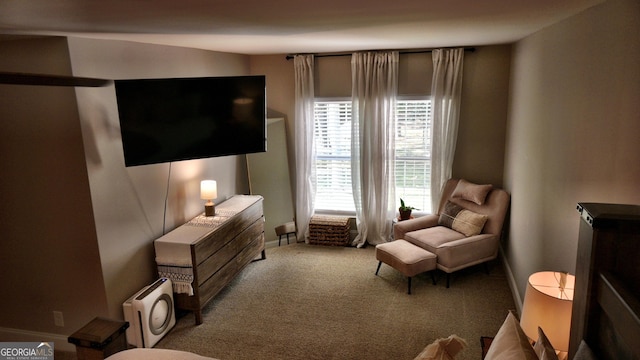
(165, 120)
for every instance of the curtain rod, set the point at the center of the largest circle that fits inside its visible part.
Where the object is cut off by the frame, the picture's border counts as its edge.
(289, 57)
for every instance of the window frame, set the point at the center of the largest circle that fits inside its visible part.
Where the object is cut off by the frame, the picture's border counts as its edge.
(419, 211)
(331, 99)
(428, 158)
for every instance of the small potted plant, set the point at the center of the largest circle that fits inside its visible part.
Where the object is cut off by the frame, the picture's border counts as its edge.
(405, 211)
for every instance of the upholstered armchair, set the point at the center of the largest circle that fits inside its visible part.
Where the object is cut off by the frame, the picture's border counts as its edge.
(466, 229)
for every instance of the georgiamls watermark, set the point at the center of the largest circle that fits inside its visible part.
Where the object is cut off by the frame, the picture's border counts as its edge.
(26, 351)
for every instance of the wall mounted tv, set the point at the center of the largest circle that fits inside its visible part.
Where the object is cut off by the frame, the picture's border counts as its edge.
(164, 120)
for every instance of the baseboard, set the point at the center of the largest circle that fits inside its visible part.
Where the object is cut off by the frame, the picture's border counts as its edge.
(512, 282)
(60, 342)
(274, 243)
(270, 244)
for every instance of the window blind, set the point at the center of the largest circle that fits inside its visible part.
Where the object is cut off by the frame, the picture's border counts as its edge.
(413, 153)
(333, 154)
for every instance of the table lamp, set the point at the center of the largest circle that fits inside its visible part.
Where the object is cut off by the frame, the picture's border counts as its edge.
(547, 304)
(209, 191)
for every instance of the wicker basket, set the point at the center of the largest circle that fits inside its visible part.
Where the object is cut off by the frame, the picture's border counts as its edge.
(329, 230)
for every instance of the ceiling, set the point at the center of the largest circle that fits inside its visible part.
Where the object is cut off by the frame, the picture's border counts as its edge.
(289, 26)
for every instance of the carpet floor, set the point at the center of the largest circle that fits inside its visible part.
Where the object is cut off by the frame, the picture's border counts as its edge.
(320, 302)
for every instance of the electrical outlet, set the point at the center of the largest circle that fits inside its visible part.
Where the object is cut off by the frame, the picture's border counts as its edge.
(58, 319)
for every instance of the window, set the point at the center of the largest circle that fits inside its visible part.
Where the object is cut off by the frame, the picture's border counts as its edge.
(333, 154)
(332, 132)
(413, 153)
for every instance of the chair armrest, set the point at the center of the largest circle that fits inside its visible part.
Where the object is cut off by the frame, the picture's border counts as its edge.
(402, 227)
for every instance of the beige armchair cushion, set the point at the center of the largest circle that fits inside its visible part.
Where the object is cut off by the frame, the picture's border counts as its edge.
(434, 237)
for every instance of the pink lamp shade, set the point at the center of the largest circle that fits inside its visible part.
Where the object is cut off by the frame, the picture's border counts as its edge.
(547, 303)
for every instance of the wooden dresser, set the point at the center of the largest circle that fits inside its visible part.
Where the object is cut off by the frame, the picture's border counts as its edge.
(202, 256)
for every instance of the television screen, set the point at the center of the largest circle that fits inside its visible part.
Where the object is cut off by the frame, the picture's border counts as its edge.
(164, 120)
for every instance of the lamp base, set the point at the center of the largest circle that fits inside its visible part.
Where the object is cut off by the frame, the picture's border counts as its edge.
(209, 210)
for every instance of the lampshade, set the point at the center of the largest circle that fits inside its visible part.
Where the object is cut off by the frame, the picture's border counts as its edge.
(208, 189)
(547, 303)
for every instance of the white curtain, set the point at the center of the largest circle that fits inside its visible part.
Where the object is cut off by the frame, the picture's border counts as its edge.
(374, 91)
(304, 143)
(445, 91)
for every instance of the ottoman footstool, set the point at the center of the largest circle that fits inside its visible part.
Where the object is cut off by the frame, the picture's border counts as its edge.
(407, 258)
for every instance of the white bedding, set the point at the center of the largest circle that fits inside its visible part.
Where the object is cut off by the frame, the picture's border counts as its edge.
(156, 354)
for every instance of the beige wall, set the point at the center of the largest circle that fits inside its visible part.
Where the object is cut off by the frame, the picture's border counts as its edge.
(77, 227)
(483, 115)
(573, 132)
(280, 96)
(49, 257)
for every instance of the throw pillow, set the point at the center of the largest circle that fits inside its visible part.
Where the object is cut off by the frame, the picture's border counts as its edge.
(584, 352)
(443, 349)
(461, 220)
(511, 342)
(471, 192)
(543, 347)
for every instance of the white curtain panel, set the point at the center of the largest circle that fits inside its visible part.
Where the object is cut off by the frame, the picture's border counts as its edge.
(445, 91)
(304, 144)
(374, 92)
